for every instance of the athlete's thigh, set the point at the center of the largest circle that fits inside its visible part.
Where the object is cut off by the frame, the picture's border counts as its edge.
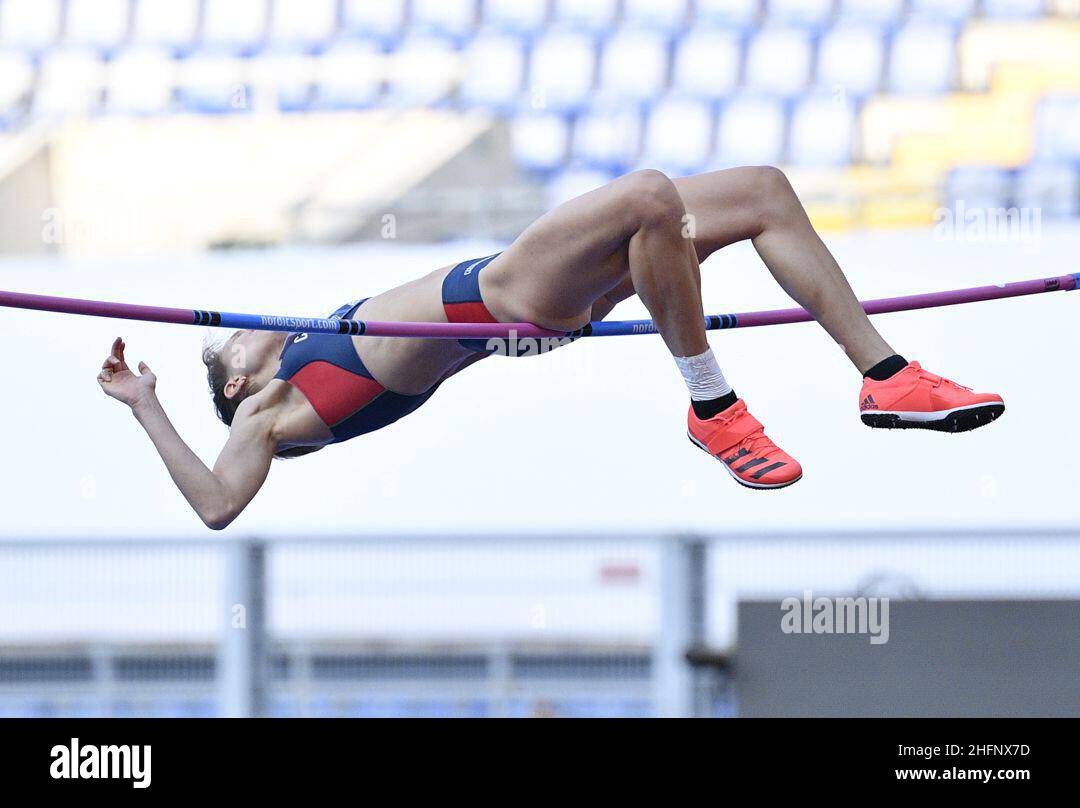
(724, 206)
(567, 259)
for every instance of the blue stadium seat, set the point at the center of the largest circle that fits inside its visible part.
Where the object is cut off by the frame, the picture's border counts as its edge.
(16, 83)
(707, 63)
(375, 19)
(1013, 9)
(751, 131)
(516, 16)
(283, 78)
(608, 138)
(942, 10)
(813, 13)
(1057, 129)
(237, 26)
(562, 71)
(99, 24)
(822, 132)
(633, 65)
(881, 12)
(141, 81)
(679, 136)
(978, 187)
(596, 16)
(172, 23)
(213, 82)
(452, 18)
(349, 75)
(669, 16)
(733, 13)
(495, 71)
(572, 183)
(540, 140)
(423, 71)
(922, 58)
(29, 24)
(778, 61)
(1052, 188)
(851, 59)
(70, 82)
(303, 23)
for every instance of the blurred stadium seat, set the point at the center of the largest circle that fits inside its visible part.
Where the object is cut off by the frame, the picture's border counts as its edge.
(663, 15)
(563, 70)
(633, 66)
(679, 136)
(978, 187)
(234, 25)
(516, 16)
(851, 58)
(99, 24)
(813, 13)
(884, 12)
(70, 82)
(1052, 188)
(173, 23)
(822, 132)
(141, 80)
(349, 75)
(213, 83)
(778, 61)
(596, 16)
(752, 131)
(303, 23)
(31, 24)
(608, 138)
(1058, 128)
(541, 140)
(735, 13)
(452, 18)
(707, 63)
(494, 73)
(1013, 9)
(423, 71)
(377, 19)
(922, 59)
(947, 10)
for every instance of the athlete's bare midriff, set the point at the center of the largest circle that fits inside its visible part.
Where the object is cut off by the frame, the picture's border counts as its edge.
(409, 366)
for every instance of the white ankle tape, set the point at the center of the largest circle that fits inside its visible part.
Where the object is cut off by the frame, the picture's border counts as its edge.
(703, 376)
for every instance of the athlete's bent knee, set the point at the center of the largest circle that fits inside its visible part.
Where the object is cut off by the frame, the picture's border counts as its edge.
(653, 199)
(774, 197)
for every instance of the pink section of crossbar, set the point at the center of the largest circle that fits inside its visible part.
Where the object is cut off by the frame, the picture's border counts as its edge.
(929, 300)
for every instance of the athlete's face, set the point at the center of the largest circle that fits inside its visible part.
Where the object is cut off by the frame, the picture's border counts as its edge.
(251, 356)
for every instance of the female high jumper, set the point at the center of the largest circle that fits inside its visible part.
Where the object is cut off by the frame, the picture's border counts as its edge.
(644, 234)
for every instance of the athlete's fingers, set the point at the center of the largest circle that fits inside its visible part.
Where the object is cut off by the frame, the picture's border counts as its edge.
(118, 352)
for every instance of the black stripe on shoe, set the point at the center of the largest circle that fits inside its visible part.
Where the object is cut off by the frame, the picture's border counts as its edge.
(766, 470)
(757, 461)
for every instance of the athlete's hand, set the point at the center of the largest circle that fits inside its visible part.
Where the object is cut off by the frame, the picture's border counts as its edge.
(118, 381)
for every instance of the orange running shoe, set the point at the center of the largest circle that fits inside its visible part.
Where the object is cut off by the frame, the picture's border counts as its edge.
(917, 399)
(738, 440)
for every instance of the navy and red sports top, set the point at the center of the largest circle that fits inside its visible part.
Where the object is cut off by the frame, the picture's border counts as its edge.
(328, 371)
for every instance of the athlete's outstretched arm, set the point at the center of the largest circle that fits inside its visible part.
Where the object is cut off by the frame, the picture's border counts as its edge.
(219, 495)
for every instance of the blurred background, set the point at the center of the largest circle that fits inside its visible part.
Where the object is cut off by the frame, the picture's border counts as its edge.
(541, 539)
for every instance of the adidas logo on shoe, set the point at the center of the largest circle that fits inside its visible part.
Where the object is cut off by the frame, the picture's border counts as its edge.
(868, 403)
